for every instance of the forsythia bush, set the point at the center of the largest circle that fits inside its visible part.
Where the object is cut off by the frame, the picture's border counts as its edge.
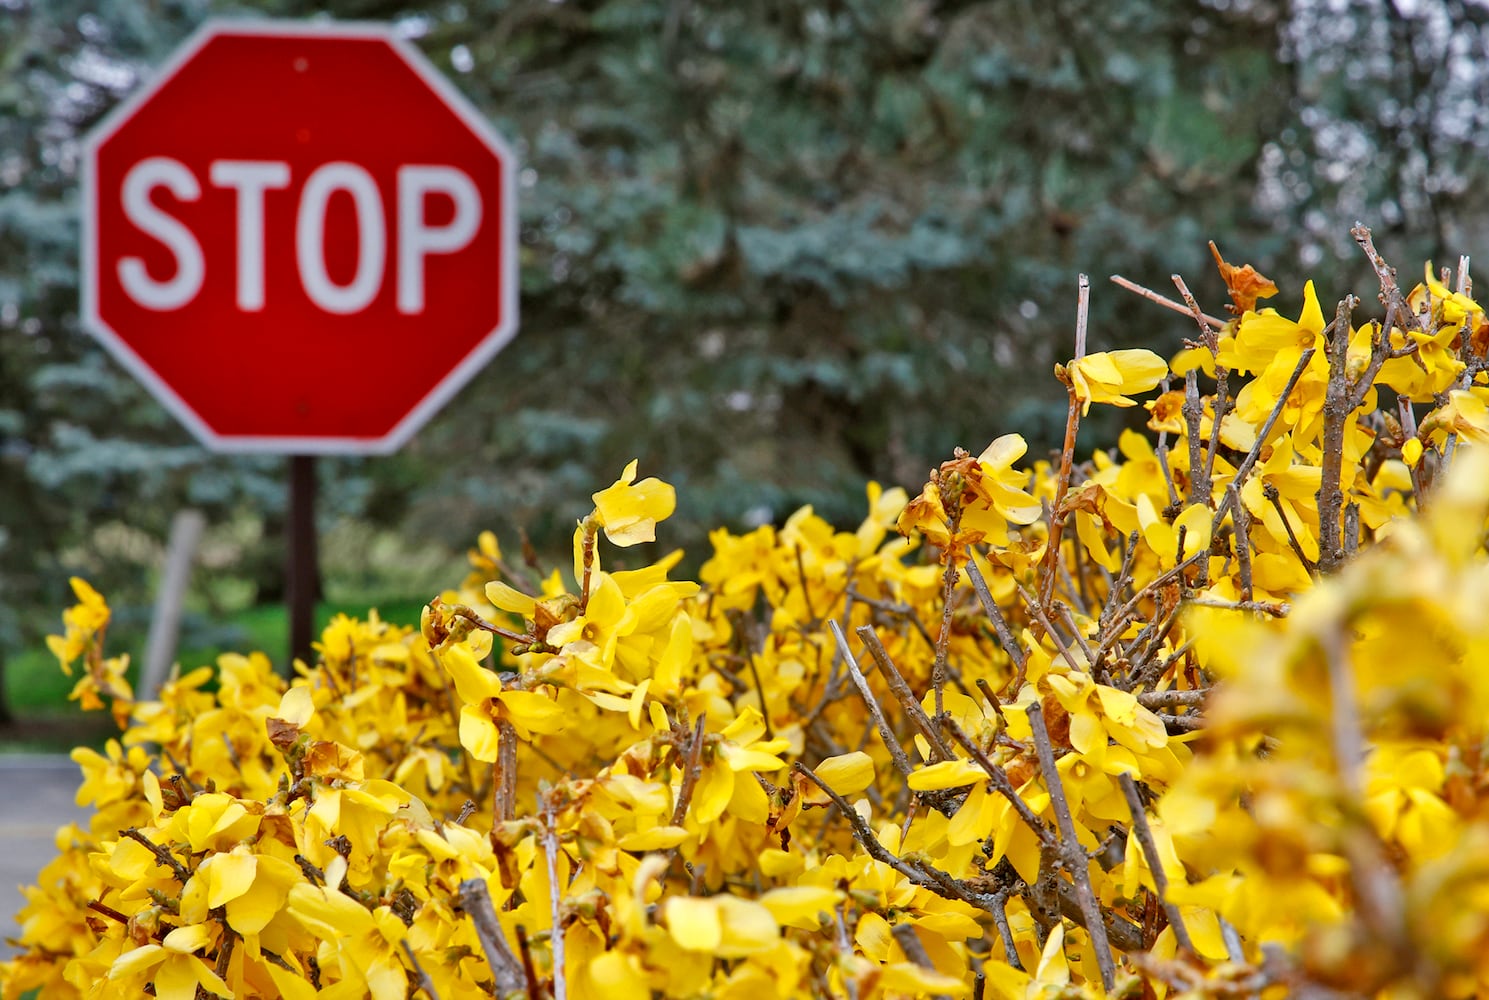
(1139, 725)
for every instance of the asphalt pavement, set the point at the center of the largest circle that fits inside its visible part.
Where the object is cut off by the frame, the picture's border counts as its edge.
(36, 797)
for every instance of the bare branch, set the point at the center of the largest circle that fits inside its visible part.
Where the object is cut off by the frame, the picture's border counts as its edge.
(470, 615)
(1339, 403)
(1172, 699)
(1072, 855)
(1155, 863)
(1274, 497)
(555, 899)
(886, 732)
(504, 774)
(1082, 313)
(1011, 646)
(1239, 479)
(1049, 628)
(421, 978)
(1161, 300)
(911, 705)
(692, 771)
(475, 900)
(1067, 453)
(163, 857)
(909, 942)
(1241, 525)
(1001, 782)
(1199, 483)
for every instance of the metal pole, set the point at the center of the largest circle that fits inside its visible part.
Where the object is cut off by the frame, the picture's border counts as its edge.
(302, 572)
(165, 626)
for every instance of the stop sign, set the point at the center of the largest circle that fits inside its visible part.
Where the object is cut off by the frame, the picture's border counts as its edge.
(300, 237)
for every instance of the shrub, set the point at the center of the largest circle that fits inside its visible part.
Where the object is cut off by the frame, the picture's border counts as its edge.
(828, 768)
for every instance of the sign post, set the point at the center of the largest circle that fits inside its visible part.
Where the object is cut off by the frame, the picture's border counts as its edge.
(302, 240)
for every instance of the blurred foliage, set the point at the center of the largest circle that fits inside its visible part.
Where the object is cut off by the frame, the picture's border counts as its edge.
(789, 246)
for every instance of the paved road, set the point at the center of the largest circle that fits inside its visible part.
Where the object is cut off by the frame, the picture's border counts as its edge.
(36, 793)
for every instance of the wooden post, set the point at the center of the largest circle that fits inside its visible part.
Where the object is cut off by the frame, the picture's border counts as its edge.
(302, 570)
(165, 625)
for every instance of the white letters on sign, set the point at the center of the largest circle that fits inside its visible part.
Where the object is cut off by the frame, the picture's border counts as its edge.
(146, 176)
(310, 238)
(250, 180)
(416, 240)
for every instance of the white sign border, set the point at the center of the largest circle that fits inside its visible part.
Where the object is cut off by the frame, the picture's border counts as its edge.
(448, 386)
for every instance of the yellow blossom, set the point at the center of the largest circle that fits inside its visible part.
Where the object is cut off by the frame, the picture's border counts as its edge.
(629, 511)
(1109, 376)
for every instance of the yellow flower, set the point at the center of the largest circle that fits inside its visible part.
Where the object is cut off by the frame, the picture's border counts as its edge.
(486, 703)
(725, 926)
(629, 511)
(252, 887)
(109, 779)
(1107, 377)
(738, 749)
(1269, 340)
(363, 942)
(1465, 414)
(946, 774)
(83, 621)
(846, 774)
(1163, 538)
(172, 967)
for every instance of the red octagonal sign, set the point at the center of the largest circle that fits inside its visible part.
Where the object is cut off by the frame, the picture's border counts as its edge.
(301, 238)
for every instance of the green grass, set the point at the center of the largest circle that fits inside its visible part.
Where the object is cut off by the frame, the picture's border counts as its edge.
(36, 689)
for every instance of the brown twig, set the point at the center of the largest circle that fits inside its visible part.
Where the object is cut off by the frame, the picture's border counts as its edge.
(107, 911)
(1272, 609)
(1110, 607)
(1199, 484)
(555, 897)
(692, 770)
(1067, 452)
(1384, 273)
(1112, 627)
(163, 857)
(909, 942)
(1155, 863)
(1067, 618)
(1172, 699)
(504, 774)
(421, 978)
(225, 950)
(1221, 399)
(1072, 855)
(943, 637)
(886, 732)
(475, 900)
(999, 910)
(1239, 479)
(1339, 403)
(525, 951)
(587, 558)
(939, 750)
(1011, 646)
(1241, 531)
(866, 837)
(470, 615)
(1162, 300)
(1274, 497)
(1001, 783)
(1049, 629)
